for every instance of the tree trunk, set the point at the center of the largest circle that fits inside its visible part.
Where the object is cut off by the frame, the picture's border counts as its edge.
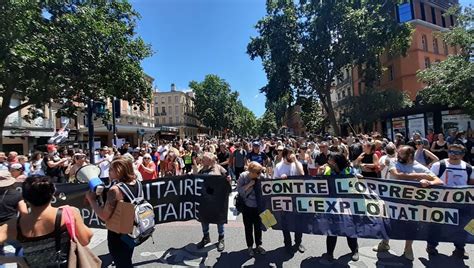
(3, 118)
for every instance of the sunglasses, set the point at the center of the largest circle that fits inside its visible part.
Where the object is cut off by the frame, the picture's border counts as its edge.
(146, 157)
(455, 152)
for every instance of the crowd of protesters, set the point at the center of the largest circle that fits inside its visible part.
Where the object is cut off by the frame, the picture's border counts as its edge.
(430, 160)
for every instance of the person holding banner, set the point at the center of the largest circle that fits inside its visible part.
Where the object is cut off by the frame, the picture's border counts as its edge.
(368, 161)
(339, 165)
(210, 167)
(407, 168)
(121, 170)
(454, 172)
(248, 187)
(290, 166)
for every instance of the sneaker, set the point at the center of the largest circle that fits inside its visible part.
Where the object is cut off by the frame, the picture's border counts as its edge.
(408, 254)
(355, 256)
(461, 254)
(260, 250)
(300, 248)
(220, 245)
(381, 247)
(205, 240)
(250, 251)
(431, 250)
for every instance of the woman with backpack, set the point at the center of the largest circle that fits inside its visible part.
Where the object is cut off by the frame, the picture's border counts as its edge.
(121, 170)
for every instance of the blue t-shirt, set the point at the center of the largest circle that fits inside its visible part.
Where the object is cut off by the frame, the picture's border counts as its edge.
(411, 168)
(257, 157)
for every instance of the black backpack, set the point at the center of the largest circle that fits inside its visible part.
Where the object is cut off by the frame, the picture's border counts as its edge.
(442, 168)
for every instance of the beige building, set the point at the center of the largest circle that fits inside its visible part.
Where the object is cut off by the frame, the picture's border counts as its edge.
(22, 136)
(133, 125)
(175, 110)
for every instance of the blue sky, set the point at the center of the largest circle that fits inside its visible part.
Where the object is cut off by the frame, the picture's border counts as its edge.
(192, 38)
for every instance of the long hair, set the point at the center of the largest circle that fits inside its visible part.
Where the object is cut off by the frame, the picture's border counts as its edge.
(124, 169)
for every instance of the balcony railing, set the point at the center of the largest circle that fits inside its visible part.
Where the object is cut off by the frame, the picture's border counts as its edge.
(38, 123)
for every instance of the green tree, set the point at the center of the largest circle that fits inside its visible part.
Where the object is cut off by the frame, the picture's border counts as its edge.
(311, 114)
(277, 46)
(267, 123)
(69, 52)
(322, 38)
(451, 81)
(218, 106)
(373, 104)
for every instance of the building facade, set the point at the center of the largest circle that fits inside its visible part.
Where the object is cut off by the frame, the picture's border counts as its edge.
(427, 18)
(22, 136)
(175, 110)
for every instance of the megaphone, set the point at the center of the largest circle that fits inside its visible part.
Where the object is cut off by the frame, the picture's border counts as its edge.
(90, 174)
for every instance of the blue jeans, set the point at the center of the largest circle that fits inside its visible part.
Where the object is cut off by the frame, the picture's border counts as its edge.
(205, 229)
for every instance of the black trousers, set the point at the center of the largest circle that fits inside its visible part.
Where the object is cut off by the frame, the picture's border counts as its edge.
(287, 238)
(252, 225)
(120, 251)
(238, 171)
(332, 240)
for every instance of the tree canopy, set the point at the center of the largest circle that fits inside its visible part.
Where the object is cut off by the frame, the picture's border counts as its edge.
(69, 52)
(305, 46)
(219, 107)
(451, 82)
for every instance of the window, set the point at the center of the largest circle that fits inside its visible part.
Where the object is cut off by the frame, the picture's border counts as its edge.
(451, 18)
(422, 9)
(427, 62)
(162, 99)
(338, 95)
(176, 110)
(175, 99)
(177, 120)
(443, 20)
(169, 99)
(171, 120)
(164, 120)
(433, 15)
(169, 109)
(390, 73)
(445, 47)
(424, 42)
(157, 121)
(435, 46)
(405, 12)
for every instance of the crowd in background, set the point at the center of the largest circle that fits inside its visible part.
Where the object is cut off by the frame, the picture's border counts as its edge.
(430, 160)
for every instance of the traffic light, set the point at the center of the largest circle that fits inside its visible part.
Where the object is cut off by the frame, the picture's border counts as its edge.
(117, 108)
(99, 108)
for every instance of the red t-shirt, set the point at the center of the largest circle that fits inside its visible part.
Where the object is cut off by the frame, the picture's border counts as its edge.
(145, 175)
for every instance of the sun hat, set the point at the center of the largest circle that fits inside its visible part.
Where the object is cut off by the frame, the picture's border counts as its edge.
(6, 178)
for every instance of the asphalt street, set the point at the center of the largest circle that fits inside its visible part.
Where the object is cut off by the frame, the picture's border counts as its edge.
(174, 245)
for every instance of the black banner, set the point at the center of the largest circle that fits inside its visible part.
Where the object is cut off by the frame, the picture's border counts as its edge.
(369, 208)
(182, 198)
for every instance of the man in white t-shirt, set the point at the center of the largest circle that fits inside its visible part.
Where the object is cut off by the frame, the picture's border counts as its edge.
(103, 161)
(388, 161)
(454, 172)
(290, 166)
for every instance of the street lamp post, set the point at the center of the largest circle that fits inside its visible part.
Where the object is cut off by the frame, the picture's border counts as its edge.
(90, 112)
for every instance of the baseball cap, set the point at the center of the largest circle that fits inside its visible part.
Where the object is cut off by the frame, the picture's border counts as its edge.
(255, 143)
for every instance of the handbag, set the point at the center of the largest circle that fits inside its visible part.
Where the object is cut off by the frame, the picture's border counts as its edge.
(79, 256)
(239, 202)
